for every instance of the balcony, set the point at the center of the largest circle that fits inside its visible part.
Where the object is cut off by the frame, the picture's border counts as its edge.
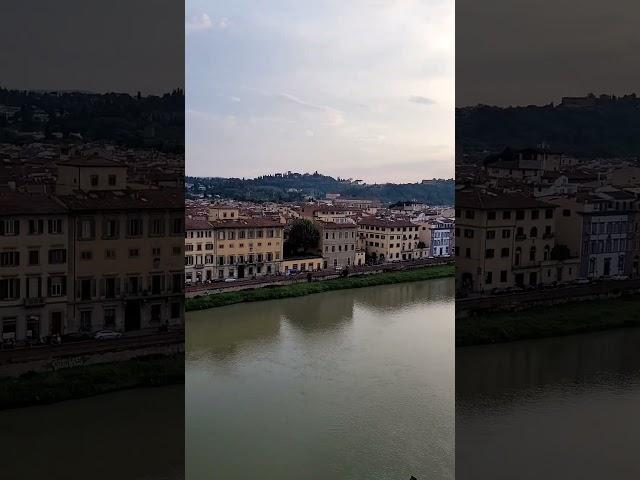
(199, 266)
(34, 302)
(521, 237)
(547, 236)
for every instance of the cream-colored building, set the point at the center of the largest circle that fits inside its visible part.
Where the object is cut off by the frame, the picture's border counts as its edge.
(506, 240)
(199, 251)
(338, 244)
(219, 212)
(388, 240)
(128, 263)
(34, 267)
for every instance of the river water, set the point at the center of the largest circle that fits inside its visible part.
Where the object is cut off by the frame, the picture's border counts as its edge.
(563, 408)
(128, 435)
(353, 384)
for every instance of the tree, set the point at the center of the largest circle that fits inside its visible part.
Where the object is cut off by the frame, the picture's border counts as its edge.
(560, 253)
(302, 236)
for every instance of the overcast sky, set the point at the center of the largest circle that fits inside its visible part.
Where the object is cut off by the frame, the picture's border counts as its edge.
(115, 45)
(520, 52)
(359, 88)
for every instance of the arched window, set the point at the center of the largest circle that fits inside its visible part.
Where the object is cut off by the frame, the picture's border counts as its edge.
(518, 253)
(534, 232)
(532, 254)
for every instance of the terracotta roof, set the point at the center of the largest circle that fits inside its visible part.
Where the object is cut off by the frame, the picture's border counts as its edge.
(90, 161)
(197, 224)
(385, 222)
(18, 203)
(108, 200)
(334, 225)
(248, 222)
(490, 201)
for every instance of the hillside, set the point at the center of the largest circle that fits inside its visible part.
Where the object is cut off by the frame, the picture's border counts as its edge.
(297, 186)
(588, 126)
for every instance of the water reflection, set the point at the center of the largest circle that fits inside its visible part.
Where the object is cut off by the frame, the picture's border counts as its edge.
(345, 385)
(562, 408)
(507, 371)
(221, 333)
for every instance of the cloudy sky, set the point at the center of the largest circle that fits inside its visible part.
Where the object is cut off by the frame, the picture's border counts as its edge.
(521, 52)
(357, 89)
(119, 45)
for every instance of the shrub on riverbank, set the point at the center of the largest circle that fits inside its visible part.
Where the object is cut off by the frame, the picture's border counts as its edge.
(35, 388)
(300, 289)
(540, 322)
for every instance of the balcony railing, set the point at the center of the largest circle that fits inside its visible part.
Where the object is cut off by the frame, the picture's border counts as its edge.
(34, 301)
(521, 237)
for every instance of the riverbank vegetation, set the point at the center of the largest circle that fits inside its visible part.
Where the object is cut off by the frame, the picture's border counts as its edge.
(300, 289)
(35, 388)
(540, 322)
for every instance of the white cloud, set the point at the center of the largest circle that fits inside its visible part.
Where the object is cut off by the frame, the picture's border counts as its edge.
(198, 22)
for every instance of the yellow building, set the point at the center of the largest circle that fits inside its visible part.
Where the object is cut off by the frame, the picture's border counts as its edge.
(308, 263)
(247, 248)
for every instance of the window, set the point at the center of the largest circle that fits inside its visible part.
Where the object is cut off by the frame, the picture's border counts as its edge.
(176, 310)
(188, 260)
(519, 214)
(110, 228)
(57, 256)
(566, 212)
(86, 229)
(85, 320)
(177, 226)
(534, 232)
(86, 255)
(110, 254)
(489, 253)
(112, 180)
(506, 215)
(503, 276)
(491, 234)
(109, 317)
(532, 254)
(504, 252)
(36, 227)
(157, 226)
(470, 214)
(506, 233)
(34, 257)
(155, 251)
(488, 278)
(548, 213)
(468, 233)
(156, 312)
(57, 286)
(491, 215)
(94, 180)
(9, 259)
(134, 252)
(177, 250)
(535, 214)
(55, 226)
(111, 287)
(9, 227)
(9, 288)
(134, 227)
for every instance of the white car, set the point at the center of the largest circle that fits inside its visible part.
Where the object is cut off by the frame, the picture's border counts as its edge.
(107, 335)
(230, 279)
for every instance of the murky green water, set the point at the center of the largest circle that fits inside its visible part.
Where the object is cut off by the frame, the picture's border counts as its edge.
(354, 384)
(558, 408)
(129, 435)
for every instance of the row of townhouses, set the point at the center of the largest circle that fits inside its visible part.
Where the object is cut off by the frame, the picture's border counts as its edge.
(91, 255)
(519, 234)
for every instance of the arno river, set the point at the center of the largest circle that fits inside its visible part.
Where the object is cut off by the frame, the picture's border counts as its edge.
(354, 384)
(559, 408)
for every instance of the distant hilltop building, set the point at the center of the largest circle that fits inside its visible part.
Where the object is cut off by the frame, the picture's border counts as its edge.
(591, 100)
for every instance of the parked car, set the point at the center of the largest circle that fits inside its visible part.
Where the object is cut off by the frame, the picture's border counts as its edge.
(230, 279)
(107, 335)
